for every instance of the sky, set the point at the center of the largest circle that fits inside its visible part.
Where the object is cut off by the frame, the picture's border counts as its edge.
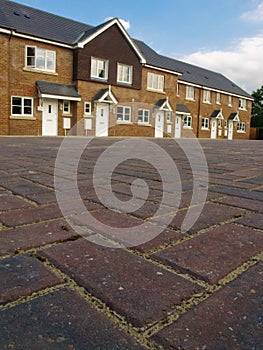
(222, 35)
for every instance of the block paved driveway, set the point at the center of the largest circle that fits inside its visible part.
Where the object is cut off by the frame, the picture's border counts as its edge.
(200, 289)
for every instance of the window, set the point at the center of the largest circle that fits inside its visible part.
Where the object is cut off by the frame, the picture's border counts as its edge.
(66, 107)
(155, 82)
(218, 98)
(177, 89)
(205, 123)
(188, 122)
(168, 117)
(242, 103)
(22, 106)
(230, 101)
(40, 59)
(124, 74)
(87, 108)
(123, 114)
(143, 116)
(206, 96)
(241, 127)
(190, 93)
(99, 68)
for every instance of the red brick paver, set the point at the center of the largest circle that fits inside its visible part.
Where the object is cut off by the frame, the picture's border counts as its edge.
(195, 290)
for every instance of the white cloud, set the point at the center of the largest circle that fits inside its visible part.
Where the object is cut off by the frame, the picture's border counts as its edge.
(126, 24)
(254, 15)
(243, 64)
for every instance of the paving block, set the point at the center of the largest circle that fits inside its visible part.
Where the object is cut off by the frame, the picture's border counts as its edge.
(61, 320)
(22, 275)
(134, 287)
(213, 254)
(229, 319)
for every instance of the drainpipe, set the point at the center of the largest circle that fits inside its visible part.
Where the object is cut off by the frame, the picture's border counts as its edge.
(198, 113)
(9, 76)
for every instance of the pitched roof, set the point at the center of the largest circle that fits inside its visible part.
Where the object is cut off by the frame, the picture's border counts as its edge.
(37, 23)
(190, 73)
(30, 21)
(182, 109)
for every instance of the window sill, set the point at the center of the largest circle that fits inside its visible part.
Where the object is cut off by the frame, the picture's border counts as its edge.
(243, 109)
(144, 124)
(190, 99)
(205, 129)
(187, 128)
(33, 70)
(241, 132)
(124, 122)
(87, 116)
(22, 117)
(153, 90)
(207, 102)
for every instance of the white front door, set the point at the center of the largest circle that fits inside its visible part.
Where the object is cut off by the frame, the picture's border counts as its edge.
(159, 124)
(50, 118)
(230, 130)
(213, 128)
(178, 126)
(102, 119)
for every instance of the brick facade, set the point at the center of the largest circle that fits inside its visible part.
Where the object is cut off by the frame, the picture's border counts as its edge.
(73, 67)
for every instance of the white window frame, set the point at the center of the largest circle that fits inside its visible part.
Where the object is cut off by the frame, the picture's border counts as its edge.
(230, 101)
(206, 96)
(155, 82)
(187, 122)
(123, 114)
(31, 62)
(190, 93)
(66, 107)
(241, 127)
(87, 108)
(23, 106)
(99, 68)
(144, 114)
(124, 73)
(218, 98)
(242, 104)
(205, 124)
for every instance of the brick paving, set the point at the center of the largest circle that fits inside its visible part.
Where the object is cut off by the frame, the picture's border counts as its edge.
(200, 289)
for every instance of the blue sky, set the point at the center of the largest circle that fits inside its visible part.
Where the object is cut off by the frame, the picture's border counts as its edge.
(222, 35)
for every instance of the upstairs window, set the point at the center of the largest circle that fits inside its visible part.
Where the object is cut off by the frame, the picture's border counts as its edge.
(218, 98)
(207, 96)
(190, 93)
(40, 59)
(22, 106)
(242, 104)
(155, 82)
(144, 116)
(124, 74)
(99, 68)
(230, 101)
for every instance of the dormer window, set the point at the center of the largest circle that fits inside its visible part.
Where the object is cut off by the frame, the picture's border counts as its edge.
(99, 68)
(40, 59)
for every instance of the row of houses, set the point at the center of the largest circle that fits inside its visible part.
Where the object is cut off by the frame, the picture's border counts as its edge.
(57, 73)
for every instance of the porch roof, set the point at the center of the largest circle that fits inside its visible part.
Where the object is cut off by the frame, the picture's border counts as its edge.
(182, 109)
(57, 91)
(234, 117)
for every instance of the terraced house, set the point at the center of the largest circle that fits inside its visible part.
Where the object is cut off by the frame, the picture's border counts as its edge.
(57, 73)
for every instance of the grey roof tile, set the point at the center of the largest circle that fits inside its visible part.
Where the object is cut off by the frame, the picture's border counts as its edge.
(57, 89)
(28, 20)
(182, 108)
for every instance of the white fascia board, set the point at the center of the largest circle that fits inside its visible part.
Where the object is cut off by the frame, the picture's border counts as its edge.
(162, 69)
(59, 97)
(124, 32)
(34, 38)
(215, 90)
(182, 113)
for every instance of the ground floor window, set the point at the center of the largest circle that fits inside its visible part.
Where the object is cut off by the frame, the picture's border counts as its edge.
(22, 106)
(241, 127)
(87, 108)
(144, 116)
(205, 123)
(123, 114)
(188, 122)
